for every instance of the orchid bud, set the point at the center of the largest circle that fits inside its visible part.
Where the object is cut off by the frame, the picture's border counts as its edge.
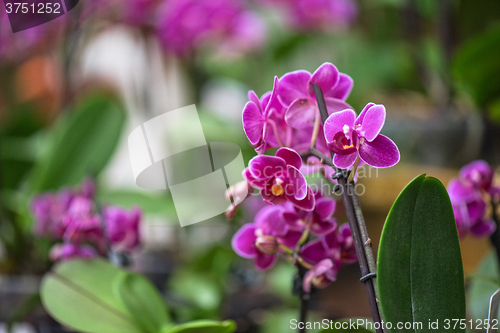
(267, 244)
(320, 281)
(231, 212)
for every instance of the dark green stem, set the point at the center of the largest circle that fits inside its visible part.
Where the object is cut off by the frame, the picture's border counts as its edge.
(357, 223)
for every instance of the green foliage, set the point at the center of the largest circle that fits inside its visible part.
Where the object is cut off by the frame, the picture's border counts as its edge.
(477, 67)
(420, 273)
(204, 326)
(161, 204)
(81, 295)
(94, 296)
(82, 144)
(484, 283)
(142, 301)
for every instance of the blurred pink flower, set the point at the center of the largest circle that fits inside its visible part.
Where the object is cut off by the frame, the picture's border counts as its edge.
(67, 251)
(186, 25)
(123, 227)
(326, 15)
(259, 240)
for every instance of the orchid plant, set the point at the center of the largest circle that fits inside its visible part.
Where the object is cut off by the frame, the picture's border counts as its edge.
(306, 123)
(307, 118)
(71, 218)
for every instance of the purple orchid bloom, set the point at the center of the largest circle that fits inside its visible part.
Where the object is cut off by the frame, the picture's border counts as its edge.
(348, 251)
(319, 220)
(186, 25)
(263, 120)
(82, 223)
(323, 14)
(318, 276)
(297, 95)
(480, 175)
(279, 179)
(260, 240)
(49, 209)
(315, 251)
(123, 227)
(469, 209)
(337, 245)
(67, 251)
(349, 137)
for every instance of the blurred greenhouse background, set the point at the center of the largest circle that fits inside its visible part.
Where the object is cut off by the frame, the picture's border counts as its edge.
(71, 91)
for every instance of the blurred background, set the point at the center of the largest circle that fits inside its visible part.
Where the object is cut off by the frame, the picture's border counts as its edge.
(71, 91)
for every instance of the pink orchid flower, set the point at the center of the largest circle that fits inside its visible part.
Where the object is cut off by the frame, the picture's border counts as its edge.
(279, 179)
(297, 94)
(260, 240)
(349, 137)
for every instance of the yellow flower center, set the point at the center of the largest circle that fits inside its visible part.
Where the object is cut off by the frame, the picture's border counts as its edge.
(277, 189)
(348, 146)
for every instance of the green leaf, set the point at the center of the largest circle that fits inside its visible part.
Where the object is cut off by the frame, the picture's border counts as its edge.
(79, 294)
(82, 145)
(204, 326)
(483, 285)
(142, 302)
(420, 274)
(349, 325)
(477, 67)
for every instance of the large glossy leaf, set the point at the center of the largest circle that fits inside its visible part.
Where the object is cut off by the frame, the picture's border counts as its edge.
(484, 283)
(81, 145)
(142, 301)
(420, 273)
(80, 294)
(95, 296)
(204, 326)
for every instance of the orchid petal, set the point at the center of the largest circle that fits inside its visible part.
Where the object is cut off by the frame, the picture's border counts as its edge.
(483, 228)
(252, 97)
(271, 222)
(336, 105)
(294, 85)
(264, 261)
(380, 153)
(257, 183)
(243, 241)
(274, 102)
(305, 204)
(291, 238)
(326, 76)
(265, 167)
(323, 227)
(345, 161)
(342, 89)
(307, 281)
(336, 122)
(372, 122)
(253, 123)
(324, 208)
(301, 113)
(314, 251)
(297, 183)
(290, 156)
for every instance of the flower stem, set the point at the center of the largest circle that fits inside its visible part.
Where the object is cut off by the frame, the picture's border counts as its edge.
(304, 299)
(362, 242)
(317, 124)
